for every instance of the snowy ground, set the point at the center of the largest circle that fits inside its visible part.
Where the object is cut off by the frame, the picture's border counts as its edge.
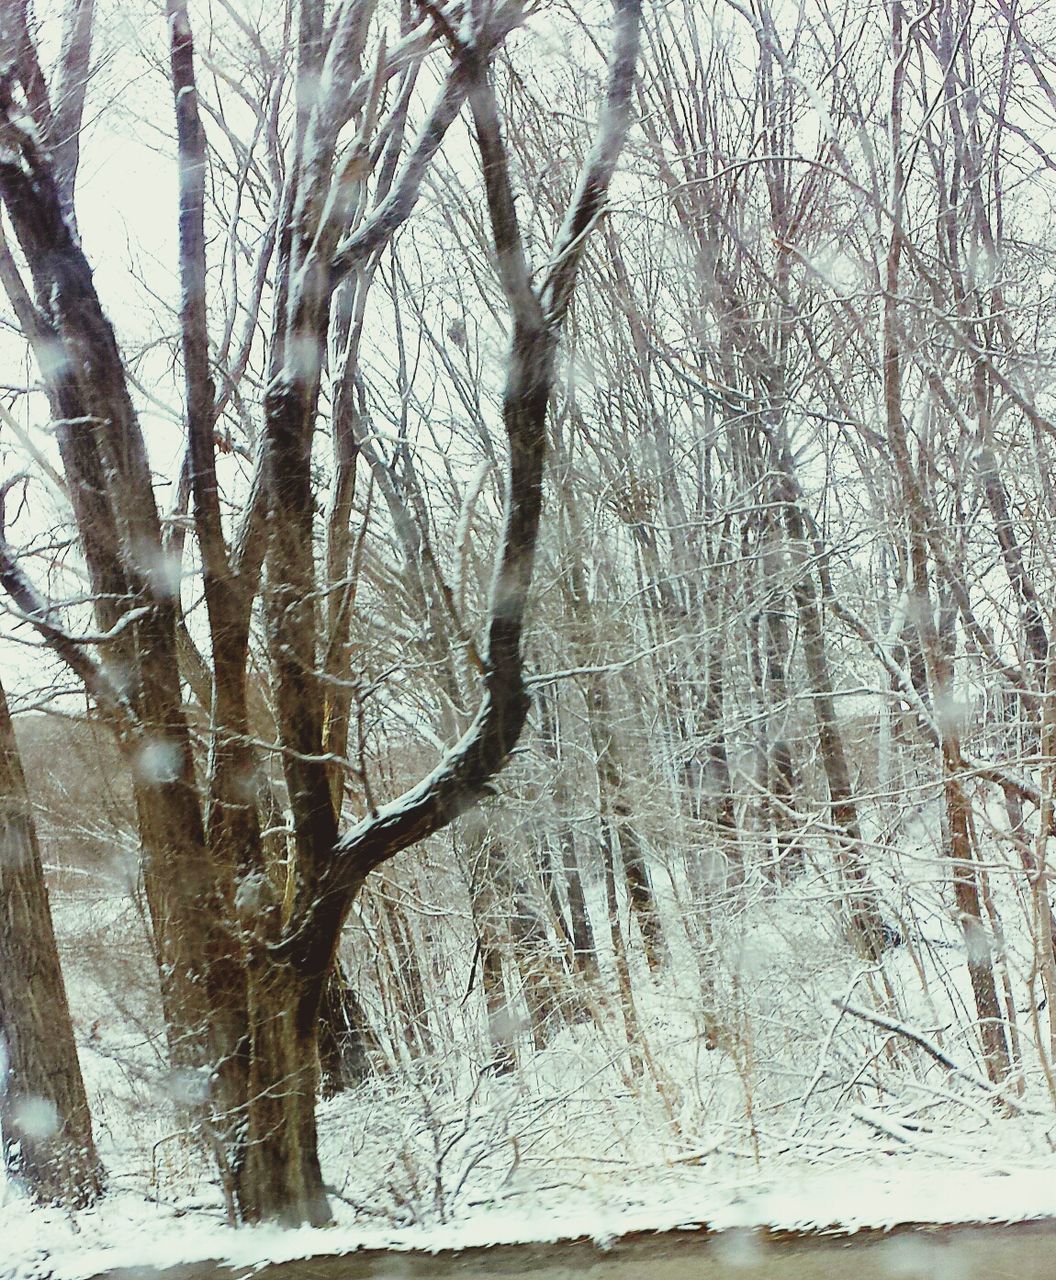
(126, 1232)
(803, 1118)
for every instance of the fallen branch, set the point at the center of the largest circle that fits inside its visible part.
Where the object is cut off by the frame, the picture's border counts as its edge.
(933, 1050)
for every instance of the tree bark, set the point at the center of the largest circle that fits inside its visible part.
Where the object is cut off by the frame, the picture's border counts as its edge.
(277, 1176)
(45, 1124)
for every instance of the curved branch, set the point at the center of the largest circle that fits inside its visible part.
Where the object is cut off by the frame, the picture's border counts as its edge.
(463, 777)
(34, 609)
(588, 201)
(377, 230)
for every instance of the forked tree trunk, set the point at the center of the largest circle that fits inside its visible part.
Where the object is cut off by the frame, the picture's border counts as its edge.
(45, 1125)
(258, 972)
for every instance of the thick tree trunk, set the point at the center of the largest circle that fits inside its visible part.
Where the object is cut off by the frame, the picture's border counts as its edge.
(45, 1125)
(277, 1176)
(244, 979)
(137, 684)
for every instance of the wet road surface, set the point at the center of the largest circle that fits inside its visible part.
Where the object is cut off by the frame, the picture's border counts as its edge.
(1023, 1252)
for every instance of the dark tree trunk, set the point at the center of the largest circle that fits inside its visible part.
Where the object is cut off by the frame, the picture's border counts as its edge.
(345, 1038)
(585, 952)
(277, 1176)
(45, 1125)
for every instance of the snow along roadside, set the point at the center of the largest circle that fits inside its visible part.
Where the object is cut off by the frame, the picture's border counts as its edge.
(124, 1231)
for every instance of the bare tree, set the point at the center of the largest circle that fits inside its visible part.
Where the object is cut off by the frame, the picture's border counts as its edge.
(244, 967)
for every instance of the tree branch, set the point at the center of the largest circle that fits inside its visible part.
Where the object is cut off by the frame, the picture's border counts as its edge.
(464, 775)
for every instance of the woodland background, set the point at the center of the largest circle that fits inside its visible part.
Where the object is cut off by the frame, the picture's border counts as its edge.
(767, 870)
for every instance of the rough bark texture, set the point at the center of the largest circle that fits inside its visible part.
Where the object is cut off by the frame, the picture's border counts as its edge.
(45, 1125)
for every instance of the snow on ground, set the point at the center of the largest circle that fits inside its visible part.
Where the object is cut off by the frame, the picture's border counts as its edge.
(801, 1116)
(126, 1232)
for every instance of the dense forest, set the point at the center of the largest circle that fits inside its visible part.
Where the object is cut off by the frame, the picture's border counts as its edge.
(527, 555)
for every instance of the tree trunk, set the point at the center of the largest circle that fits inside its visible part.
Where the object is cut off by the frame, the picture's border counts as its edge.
(500, 1024)
(345, 1038)
(866, 923)
(624, 986)
(45, 1124)
(939, 664)
(277, 1176)
(617, 809)
(407, 977)
(508, 921)
(584, 951)
(976, 936)
(722, 805)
